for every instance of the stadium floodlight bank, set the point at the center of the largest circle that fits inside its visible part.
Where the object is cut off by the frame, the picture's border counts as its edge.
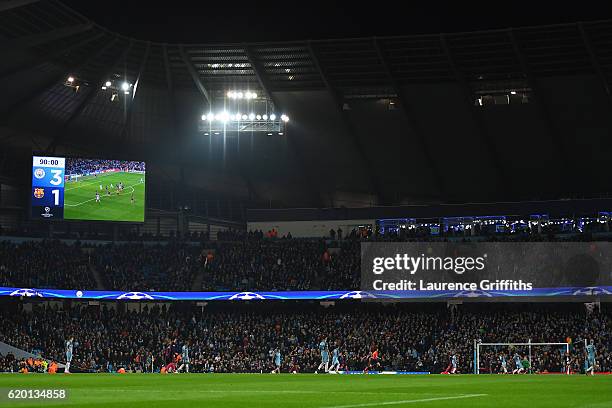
(529, 345)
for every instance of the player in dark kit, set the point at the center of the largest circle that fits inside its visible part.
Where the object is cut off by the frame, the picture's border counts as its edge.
(372, 359)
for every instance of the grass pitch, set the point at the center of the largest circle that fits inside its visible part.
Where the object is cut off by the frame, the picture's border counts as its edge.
(316, 391)
(80, 198)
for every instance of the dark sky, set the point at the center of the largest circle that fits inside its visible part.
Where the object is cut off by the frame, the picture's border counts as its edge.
(237, 21)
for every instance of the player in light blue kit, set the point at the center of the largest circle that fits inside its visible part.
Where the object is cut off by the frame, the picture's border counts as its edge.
(591, 351)
(69, 349)
(277, 361)
(504, 364)
(518, 365)
(324, 350)
(335, 365)
(184, 357)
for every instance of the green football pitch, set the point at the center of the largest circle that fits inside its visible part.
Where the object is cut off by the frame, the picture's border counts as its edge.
(80, 198)
(317, 391)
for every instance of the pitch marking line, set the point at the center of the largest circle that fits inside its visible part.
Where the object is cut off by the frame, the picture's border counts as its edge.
(101, 196)
(414, 401)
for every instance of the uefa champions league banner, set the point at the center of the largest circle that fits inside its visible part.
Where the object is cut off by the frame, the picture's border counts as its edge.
(487, 269)
(577, 293)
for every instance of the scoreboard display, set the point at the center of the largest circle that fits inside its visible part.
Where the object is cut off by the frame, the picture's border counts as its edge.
(67, 188)
(48, 187)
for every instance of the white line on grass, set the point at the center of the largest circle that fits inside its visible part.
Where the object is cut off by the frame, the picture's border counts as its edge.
(413, 401)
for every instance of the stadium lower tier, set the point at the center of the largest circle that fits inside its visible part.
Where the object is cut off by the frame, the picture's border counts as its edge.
(246, 337)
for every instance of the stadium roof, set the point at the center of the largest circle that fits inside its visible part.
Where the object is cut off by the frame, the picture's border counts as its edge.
(377, 120)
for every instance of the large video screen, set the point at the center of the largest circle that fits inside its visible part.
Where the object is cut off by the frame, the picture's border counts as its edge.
(88, 189)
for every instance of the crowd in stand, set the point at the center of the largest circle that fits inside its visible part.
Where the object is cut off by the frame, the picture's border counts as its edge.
(239, 339)
(44, 264)
(127, 267)
(84, 166)
(282, 265)
(254, 263)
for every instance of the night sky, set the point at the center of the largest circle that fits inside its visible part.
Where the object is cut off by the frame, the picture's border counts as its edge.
(237, 21)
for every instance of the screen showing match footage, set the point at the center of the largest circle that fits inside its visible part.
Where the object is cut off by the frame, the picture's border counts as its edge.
(88, 189)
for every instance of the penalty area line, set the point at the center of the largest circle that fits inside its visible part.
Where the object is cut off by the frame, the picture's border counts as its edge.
(413, 401)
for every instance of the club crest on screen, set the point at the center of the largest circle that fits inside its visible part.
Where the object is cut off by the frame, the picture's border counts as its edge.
(39, 173)
(39, 192)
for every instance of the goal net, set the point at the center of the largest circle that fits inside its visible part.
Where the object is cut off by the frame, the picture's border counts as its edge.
(529, 357)
(74, 177)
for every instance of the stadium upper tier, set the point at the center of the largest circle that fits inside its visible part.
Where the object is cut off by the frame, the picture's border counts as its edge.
(385, 120)
(253, 263)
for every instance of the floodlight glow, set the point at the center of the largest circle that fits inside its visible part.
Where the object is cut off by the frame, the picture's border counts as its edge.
(107, 84)
(239, 95)
(513, 92)
(254, 95)
(272, 117)
(258, 117)
(247, 95)
(125, 86)
(218, 116)
(285, 118)
(244, 117)
(265, 117)
(210, 116)
(230, 94)
(252, 116)
(71, 79)
(224, 117)
(203, 117)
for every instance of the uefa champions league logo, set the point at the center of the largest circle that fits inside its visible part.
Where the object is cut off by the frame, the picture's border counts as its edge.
(26, 293)
(591, 291)
(47, 213)
(135, 296)
(39, 173)
(358, 294)
(473, 294)
(246, 296)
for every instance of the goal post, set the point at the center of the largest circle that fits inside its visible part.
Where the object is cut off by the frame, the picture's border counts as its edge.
(527, 349)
